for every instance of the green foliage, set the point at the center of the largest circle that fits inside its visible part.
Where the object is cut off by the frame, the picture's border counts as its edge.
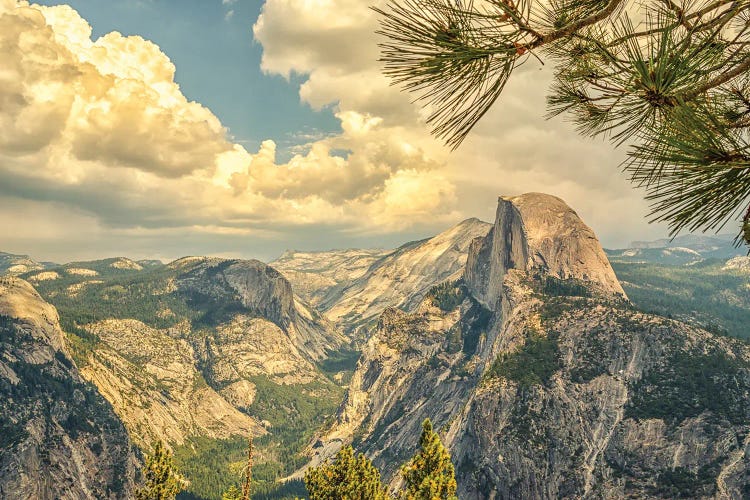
(553, 308)
(702, 294)
(556, 287)
(681, 482)
(161, 481)
(688, 383)
(430, 474)
(344, 360)
(206, 463)
(233, 493)
(593, 349)
(533, 363)
(347, 477)
(448, 295)
(669, 78)
(287, 490)
(294, 412)
(213, 466)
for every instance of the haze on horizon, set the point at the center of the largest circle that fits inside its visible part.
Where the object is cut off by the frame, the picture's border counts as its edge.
(243, 128)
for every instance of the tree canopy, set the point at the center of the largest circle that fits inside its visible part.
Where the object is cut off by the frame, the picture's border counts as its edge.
(348, 477)
(161, 481)
(430, 474)
(667, 77)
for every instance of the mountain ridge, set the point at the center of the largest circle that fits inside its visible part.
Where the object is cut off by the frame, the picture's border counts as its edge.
(60, 437)
(542, 378)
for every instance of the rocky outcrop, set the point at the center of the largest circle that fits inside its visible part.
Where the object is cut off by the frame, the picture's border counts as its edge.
(546, 383)
(739, 264)
(537, 232)
(317, 275)
(251, 287)
(151, 379)
(59, 438)
(402, 278)
(353, 287)
(15, 265)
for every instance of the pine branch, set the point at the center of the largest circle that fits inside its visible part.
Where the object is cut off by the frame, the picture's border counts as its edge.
(663, 86)
(721, 79)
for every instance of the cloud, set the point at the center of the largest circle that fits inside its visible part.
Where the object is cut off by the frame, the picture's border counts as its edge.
(513, 150)
(101, 126)
(112, 101)
(99, 130)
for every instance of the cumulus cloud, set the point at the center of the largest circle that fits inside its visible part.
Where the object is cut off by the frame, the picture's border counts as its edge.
(101, 126)
(113, 101)
(513, 150)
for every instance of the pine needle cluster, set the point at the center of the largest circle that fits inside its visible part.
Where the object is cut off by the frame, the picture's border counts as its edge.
(667, 77)
(349, 476)
(430, 474)
(161, 481)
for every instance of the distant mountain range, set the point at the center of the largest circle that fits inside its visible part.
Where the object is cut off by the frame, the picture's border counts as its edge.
(14, 265)
(685, 249)
(376, 280)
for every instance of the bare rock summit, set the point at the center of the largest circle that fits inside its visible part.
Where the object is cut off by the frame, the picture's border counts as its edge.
(537, 232)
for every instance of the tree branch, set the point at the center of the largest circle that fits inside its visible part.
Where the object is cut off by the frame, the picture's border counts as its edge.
(573, 28)
(719, 80)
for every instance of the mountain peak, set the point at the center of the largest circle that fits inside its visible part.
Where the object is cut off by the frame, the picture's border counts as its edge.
(538, 232)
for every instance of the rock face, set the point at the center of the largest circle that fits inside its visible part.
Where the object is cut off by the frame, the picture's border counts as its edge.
(399, 278)
(179, 349)
(14, 265)
(402, 278)
(261, 291)
(150, 377)
(315, 275)
(628, 406)
(546, 383)
(537, 232)
(59, 437)
(739, 264)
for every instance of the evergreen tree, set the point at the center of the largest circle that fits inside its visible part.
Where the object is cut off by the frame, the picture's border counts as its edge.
(348, 477)
(233, 493)
(161, 481)
(670, 78)
(430, 474)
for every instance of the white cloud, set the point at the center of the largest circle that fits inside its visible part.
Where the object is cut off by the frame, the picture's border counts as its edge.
(98, 133)
(100, 126)
(513, 150)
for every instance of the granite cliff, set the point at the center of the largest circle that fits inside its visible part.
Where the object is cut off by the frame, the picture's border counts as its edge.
(377, 280)
(546, 382)
(59, 438)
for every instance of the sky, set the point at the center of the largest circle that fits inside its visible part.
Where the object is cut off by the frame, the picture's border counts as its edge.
(241, 128)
